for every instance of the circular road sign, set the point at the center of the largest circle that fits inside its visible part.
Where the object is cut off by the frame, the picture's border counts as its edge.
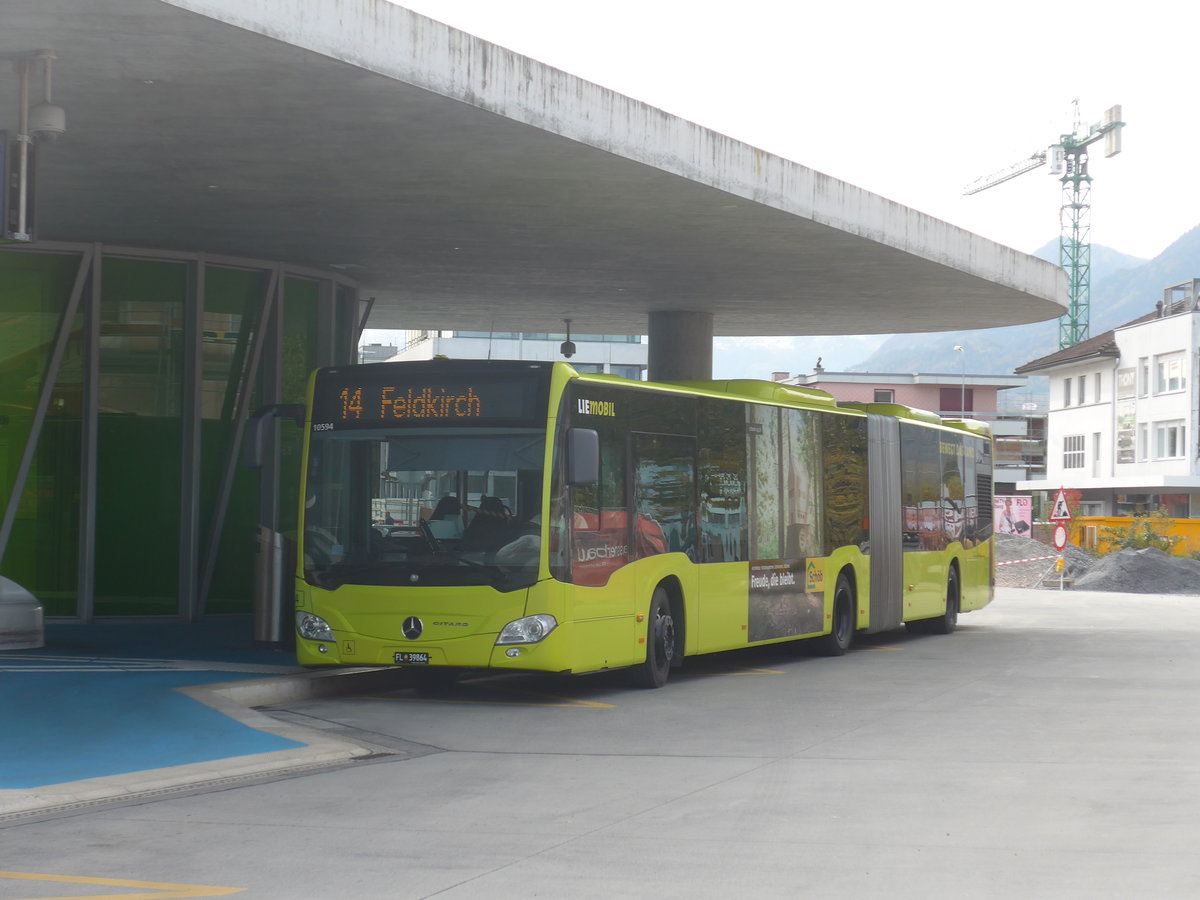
(1060, 537)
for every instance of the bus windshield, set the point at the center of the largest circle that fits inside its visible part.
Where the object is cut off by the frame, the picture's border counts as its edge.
(424, 506)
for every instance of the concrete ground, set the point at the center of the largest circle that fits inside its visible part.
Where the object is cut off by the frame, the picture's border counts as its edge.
(1049, 748)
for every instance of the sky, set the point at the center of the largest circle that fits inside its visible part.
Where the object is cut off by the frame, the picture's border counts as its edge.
(911, 101)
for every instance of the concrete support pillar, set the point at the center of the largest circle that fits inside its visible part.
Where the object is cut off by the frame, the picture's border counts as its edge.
(681, 346)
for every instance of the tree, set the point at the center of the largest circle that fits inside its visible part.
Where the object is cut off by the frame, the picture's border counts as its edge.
(1143, 532)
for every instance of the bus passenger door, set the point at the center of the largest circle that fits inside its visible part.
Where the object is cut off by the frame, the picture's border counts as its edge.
(666, 518)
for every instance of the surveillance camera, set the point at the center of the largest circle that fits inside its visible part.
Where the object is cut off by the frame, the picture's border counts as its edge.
(47, 122)
(567, 349)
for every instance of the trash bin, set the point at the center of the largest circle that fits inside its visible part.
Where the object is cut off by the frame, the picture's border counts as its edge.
(269, 603)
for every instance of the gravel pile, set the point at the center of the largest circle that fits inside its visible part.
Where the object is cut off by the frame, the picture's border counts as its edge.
(1142, 572)
(1024, 562)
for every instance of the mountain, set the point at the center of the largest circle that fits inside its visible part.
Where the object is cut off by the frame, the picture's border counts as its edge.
(1123, 288)
(1105, 262)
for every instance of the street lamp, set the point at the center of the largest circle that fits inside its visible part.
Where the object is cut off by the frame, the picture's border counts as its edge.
(962, 397)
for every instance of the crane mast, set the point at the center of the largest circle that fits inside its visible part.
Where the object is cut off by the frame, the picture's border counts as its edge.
(1069, 159)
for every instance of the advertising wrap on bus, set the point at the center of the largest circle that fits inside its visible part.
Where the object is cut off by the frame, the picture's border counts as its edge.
(601, 544)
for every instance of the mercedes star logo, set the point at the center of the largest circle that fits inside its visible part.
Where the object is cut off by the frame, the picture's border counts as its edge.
(412, 628)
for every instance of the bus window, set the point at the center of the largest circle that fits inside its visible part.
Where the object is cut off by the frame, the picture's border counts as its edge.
(665, 494)
(765, 499)
(954, 512)
(722, 481)
(804, 535)
(844, 444)
(434, 503)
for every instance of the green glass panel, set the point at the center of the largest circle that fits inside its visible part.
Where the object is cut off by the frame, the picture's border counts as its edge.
(41, 554)
(299, 359)
(140, 438)
(232, 304)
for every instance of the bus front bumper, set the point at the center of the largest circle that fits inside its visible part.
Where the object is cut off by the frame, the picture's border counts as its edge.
(477, 651)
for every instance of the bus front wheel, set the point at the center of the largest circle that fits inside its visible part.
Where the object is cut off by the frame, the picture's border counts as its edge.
(660, 643)
(841, 631)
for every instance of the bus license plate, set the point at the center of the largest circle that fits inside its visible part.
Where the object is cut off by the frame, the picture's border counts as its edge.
(412, 659)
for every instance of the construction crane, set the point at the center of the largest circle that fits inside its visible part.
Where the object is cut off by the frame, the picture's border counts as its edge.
(1069, 159)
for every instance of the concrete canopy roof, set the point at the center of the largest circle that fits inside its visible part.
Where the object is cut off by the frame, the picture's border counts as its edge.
(467, 186)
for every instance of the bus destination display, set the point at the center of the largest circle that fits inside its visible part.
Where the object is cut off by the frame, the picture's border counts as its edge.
(348, 402)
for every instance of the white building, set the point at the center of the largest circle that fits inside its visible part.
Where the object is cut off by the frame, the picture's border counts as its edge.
(373, 353)
(1122, 425)
(609, 354)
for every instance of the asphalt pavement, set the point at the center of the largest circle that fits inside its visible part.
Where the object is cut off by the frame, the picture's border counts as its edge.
(1048, 749)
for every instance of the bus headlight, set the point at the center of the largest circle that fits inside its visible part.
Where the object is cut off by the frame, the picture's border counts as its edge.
(528, 630)
(313, 628)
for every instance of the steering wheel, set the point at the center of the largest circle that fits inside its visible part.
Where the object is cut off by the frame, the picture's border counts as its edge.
(427, 533)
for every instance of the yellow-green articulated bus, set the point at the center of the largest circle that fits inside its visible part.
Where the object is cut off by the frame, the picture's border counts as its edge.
(471, 515)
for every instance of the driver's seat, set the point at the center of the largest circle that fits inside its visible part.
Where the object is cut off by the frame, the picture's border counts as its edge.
(489, 528)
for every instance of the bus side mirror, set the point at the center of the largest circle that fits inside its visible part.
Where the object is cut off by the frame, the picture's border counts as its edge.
(583, 456)
(254, 450)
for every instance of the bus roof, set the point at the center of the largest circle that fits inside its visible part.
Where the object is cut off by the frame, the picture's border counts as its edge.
(912, 414)
(897, 411)
(752, 389)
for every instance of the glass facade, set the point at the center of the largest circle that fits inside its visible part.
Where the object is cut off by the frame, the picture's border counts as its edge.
(120, 487)
(34, 292)
(139, 436)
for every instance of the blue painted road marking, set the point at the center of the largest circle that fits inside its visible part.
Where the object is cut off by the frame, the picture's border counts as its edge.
(67, 720)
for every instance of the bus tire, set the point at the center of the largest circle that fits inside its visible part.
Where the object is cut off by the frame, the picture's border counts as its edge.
(841, 631)
(660, 643)
(948, 621)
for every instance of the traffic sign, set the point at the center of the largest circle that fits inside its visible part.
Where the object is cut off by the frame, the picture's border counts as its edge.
(1060, 537)
(1060, 512)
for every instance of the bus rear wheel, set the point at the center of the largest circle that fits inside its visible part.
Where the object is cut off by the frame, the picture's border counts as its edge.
(948, 621)
(841, 632)
(660, 643)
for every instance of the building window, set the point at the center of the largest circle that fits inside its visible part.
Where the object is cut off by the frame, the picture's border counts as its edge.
(1082, 390)
(1096, 389)
(884, 395)
(1073, 451)
(1066, 392)
(1168, 440)
(1144, 377)
(955, 400)
(1143, 442)
(1168, 373)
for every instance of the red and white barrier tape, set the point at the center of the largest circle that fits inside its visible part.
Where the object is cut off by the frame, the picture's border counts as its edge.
(1013, 562)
